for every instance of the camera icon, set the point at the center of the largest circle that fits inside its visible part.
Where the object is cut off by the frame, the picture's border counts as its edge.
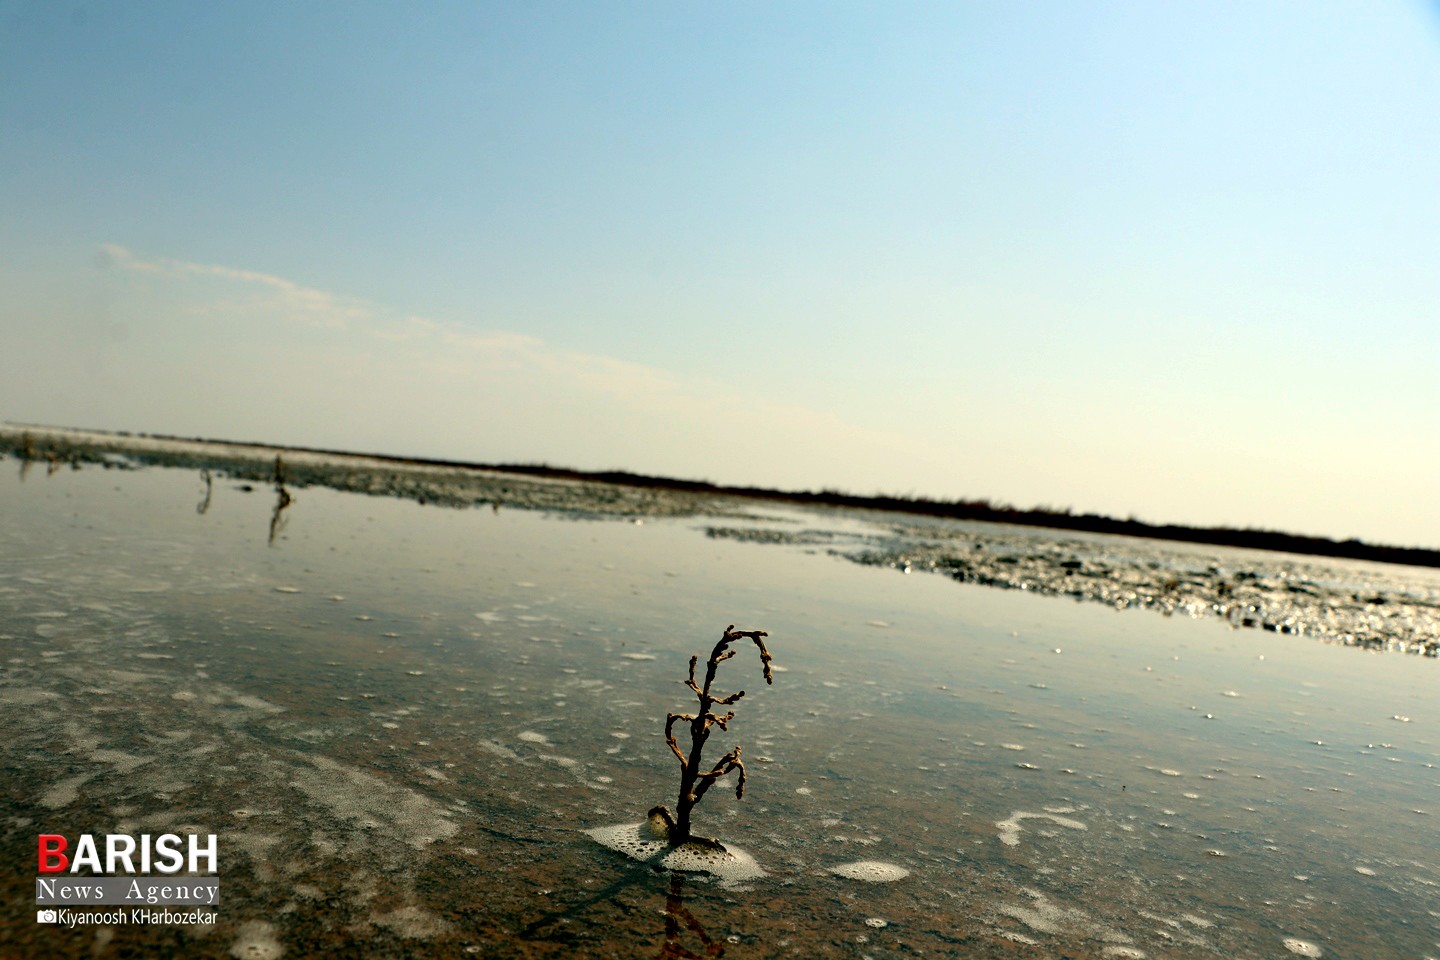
(46, 916)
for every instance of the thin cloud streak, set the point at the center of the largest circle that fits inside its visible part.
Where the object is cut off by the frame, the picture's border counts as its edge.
(319, 306)
(379, 381)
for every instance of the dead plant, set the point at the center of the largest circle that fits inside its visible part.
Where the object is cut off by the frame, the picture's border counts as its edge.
(695, 780)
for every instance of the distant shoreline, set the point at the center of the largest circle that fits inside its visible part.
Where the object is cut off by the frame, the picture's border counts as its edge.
(77, 441)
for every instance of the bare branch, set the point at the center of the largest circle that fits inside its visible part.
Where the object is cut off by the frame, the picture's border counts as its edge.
(694, 783)
(670, 736)
(731, 761)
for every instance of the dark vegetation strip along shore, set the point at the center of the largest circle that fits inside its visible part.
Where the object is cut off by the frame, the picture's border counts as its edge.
(14, 439)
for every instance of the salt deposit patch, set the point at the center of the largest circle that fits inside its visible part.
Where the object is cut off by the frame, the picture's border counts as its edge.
(256, 941)
(65, 792)
(412, 923)
(1010, 829)
(871, 871)
(498, 749)
(24, 697)
(357, 796)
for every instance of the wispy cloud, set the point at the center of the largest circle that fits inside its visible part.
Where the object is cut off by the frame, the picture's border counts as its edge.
(304, 303)
(313, 366)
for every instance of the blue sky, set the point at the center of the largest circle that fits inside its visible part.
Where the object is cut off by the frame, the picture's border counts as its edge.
(1171, 260)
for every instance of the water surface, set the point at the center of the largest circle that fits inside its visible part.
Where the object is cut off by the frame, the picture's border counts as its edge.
(401, 720)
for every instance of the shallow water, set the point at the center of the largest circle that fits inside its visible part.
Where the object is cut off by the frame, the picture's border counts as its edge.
(401, 720)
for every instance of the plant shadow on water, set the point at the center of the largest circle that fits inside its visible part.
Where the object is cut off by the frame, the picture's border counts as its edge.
(403, 724)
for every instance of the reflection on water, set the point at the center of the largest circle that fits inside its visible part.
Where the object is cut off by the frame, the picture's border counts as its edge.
(282, 500)
(203, 507)
(681, 927)
(402, 724)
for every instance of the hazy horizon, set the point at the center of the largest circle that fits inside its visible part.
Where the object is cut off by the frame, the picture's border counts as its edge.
(1169, 261)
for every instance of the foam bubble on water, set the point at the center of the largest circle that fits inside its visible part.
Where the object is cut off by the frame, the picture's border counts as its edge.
(256, 941)
(876, 922)
(636, 840)
(1129, 952)
(1018, 938)
(530, 736)
(1365, 871)
(646, 842)
(1010, 828)
(1302, 948)
(1011, 746)
(1045, 916)
(637, 656)
(871, 871)
(730, 865)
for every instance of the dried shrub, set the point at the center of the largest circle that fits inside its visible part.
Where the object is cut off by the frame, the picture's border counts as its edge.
(695, 779)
